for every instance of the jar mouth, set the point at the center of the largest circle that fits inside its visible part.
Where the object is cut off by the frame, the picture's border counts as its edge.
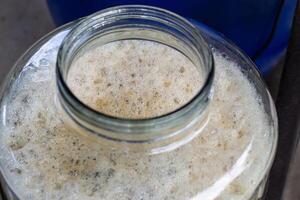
(116, 18)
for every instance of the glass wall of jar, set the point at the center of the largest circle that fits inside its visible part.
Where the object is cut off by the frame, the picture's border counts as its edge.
(218, 145)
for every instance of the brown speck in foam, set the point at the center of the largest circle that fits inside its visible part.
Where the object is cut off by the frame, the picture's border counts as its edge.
(240, 134)
(176, 100)
(167, 83)
(147, 103)
(97, 81)
(182, 70)
(140, 99)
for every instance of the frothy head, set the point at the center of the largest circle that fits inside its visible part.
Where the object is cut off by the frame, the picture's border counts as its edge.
(134, 79)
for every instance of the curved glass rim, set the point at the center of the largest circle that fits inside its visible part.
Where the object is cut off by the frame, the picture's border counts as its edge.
(88, 112)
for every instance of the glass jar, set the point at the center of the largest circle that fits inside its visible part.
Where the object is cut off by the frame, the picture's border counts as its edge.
(53, 146)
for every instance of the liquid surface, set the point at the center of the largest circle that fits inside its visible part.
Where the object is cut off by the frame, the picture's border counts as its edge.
(44, 158)
(134, 79)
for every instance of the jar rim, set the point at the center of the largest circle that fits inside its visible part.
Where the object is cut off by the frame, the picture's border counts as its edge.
(80, 112)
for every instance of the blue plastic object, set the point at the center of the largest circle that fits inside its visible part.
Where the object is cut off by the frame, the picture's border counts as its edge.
(260, 27)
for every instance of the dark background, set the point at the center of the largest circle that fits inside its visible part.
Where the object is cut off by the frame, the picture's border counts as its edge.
(23, 22)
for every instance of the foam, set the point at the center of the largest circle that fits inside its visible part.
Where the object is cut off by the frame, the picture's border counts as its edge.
(134, 79)
(45, 159)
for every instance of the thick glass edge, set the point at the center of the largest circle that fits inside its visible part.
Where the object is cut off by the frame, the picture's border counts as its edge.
(230, 46)
(10, 77)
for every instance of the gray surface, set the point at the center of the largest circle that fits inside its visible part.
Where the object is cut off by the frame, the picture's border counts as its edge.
(22, 22)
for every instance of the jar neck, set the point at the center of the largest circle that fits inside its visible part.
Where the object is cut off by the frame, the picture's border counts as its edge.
(146, 23)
